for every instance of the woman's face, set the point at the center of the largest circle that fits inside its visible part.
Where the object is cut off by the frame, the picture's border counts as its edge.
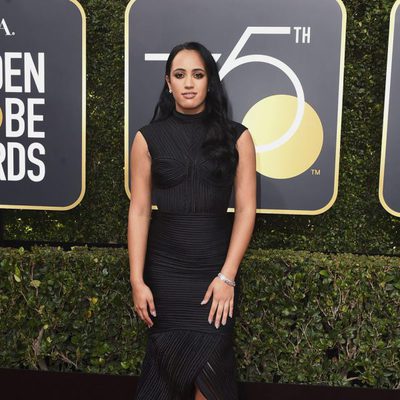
(188, 82)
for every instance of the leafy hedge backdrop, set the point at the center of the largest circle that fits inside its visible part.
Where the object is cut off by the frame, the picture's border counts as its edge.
(303, 317)
(336, 315)
(356, 222)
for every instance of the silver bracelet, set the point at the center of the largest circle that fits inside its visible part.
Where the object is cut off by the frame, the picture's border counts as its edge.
(226, 280)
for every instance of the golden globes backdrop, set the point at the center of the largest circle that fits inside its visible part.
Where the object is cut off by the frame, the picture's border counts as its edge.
(389, 188)
(42, 104)
(281, 62)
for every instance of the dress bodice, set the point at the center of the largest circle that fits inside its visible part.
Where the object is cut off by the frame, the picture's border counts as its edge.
(182, 179)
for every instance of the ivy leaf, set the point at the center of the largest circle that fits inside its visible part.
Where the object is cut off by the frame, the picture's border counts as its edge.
(35, 283)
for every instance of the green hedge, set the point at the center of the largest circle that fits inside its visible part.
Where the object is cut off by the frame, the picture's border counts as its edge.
(303, 317)
(356, 223)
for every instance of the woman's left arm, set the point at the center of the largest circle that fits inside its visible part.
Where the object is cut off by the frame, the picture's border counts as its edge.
(245, 205)
(243, 225)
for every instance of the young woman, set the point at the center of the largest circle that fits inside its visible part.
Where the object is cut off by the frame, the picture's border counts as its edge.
(184, 256)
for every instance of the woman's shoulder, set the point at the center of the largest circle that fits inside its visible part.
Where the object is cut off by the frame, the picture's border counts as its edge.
(145, 129)
(149, 132)
(150, 128)
(238, 128)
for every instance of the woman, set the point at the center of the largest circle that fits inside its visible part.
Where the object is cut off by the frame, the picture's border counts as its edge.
(184, 256)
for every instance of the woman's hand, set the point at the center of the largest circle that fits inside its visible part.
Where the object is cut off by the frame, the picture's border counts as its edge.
(142, 296)
(223, 295)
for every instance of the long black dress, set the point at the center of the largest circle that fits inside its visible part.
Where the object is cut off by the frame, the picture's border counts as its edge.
(188, 239)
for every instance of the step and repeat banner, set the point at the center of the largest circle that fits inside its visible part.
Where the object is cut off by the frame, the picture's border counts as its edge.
(42, 104)
(281, 62)
(389, 184)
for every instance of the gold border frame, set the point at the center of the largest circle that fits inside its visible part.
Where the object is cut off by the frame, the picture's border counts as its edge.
(339, 120)
(81, 195)
(386, 109)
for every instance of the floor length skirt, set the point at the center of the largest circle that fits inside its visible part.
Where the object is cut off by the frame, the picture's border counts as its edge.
(185, 252)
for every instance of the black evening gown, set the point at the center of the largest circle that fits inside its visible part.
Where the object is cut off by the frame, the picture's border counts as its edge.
(188, 240)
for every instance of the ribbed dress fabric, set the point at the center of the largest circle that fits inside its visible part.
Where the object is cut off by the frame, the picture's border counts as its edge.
(188, 240)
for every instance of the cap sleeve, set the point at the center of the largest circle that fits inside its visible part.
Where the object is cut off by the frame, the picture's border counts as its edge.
(238, 129)
(146, 131)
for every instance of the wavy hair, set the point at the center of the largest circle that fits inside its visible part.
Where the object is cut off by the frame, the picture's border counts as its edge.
(219, 143)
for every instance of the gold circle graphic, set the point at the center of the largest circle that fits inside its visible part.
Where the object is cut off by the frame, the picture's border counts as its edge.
(269, 119)
(1, 116)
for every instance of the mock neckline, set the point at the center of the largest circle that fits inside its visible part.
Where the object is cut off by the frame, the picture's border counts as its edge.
(189, 117)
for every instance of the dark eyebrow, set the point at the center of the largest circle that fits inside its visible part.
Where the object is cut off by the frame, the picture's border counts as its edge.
(183, 69)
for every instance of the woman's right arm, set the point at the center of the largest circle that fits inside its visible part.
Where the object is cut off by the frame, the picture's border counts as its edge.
(138, 225)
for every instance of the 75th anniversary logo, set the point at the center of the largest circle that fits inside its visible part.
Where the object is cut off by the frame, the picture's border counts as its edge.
(282, 65)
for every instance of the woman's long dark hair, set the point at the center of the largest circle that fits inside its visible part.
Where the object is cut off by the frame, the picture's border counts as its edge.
(219, 143)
